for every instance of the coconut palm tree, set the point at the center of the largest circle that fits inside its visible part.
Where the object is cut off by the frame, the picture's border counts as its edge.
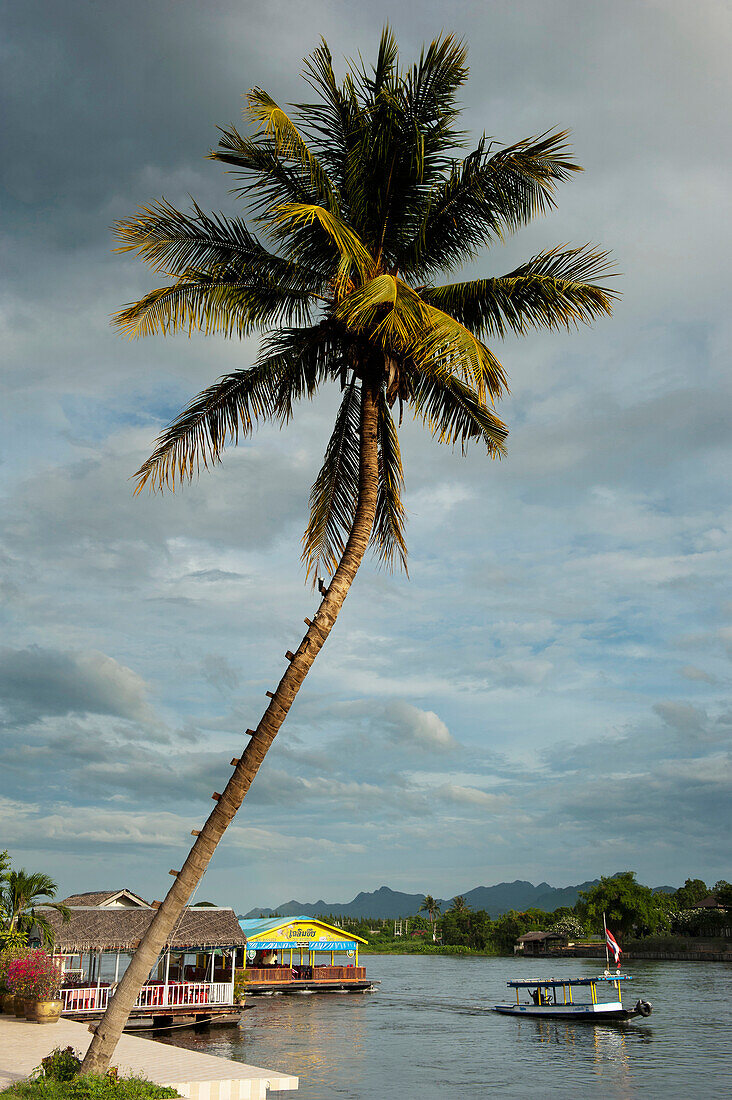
(432, 908)
(21, 895)
(360, 201)
(459, 905)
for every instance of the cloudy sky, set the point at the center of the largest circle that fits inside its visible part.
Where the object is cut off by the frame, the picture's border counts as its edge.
(547, 697)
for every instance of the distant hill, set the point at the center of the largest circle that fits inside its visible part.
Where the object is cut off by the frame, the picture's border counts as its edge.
(386, 903)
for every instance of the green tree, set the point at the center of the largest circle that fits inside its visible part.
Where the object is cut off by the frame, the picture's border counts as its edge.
(628, 906)
(723, 892)
(464, 928)
(364, 201)
(432, 908)
(459, 905)
(21, 895)
(693, 891)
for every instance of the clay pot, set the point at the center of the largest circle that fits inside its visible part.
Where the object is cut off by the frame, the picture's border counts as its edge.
(43, 1012)
(8, 1004)
(19, 1007)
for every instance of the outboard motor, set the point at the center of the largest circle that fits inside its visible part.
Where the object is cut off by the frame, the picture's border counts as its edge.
(643, 1008)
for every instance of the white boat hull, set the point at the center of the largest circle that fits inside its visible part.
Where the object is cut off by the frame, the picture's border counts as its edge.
(610, 1010)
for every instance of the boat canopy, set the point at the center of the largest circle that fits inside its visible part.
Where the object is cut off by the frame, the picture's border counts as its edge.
(534, 982)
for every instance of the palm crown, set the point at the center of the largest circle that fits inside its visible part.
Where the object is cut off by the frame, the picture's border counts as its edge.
(363, 203)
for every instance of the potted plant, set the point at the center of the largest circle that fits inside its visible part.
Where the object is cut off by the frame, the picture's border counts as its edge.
(37, 980)
(9, 954)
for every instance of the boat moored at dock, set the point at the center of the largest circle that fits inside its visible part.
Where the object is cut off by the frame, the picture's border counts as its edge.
(567, 998)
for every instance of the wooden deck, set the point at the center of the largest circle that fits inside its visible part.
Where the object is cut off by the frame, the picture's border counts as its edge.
(195, 1076)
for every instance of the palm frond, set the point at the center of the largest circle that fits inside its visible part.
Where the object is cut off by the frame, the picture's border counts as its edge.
(334, 121)
(551, 290)
(484, 197)
(268, 179)
(289, 143)
(387, 310)
(351, 251)
(231, 406)
(453, 411)
(430, 87)
(334, 495)
(455, 347)
(223, 303)
(169, 240)
(387, 536)
(390, 312)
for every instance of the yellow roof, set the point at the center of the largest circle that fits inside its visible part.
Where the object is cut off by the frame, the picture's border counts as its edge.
(294, 931)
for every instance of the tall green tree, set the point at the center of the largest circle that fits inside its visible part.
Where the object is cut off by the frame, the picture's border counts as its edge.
(628, 906)
(459, 905)
(360, 199)
(693, 891)
(23, 899)
(432, 908)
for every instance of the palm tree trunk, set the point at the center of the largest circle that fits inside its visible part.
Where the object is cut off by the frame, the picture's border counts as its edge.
(110, 1028)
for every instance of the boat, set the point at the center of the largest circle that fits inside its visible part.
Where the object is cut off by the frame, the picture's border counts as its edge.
(555, 998)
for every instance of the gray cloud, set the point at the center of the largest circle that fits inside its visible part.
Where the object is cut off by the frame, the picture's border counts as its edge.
(37, 683)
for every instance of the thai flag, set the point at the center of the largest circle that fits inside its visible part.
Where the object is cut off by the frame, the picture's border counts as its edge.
(613, 946)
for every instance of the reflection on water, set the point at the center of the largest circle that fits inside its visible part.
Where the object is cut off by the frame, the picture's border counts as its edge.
(428, 1033)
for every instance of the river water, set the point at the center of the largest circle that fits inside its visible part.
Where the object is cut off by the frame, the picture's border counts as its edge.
(428, 1033)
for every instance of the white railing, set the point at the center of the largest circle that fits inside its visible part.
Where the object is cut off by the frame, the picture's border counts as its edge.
(183, 994)
(92, 999)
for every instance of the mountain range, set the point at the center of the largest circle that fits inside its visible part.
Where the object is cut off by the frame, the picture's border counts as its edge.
(387, 903)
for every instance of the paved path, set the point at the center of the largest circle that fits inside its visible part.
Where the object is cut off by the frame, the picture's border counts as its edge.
(196, 1076)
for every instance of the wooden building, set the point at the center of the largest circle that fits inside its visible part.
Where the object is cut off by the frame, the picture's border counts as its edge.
(192, 981)
(537, 943)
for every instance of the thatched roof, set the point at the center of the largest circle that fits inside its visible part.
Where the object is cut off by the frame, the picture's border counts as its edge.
(91, 929)
(99, 897)
(539, 937)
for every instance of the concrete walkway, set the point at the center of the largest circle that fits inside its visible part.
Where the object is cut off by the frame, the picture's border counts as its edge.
(196, 1076)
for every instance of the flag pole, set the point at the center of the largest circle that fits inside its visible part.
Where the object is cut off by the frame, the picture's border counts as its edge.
(607, 954)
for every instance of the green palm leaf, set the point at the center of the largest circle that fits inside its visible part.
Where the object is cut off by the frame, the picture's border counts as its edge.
(353, 256)
(387, 538)
(289, 143)
(169, 240)
(334, 495)
(484, 197)
(454, 412)
(292, 365)
(223, 303)
(549, 291)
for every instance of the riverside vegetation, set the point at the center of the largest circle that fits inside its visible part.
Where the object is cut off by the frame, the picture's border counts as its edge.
(641, 918)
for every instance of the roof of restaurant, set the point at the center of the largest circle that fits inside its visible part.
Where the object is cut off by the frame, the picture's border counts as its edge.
(99, 897)
(256, 926)
(92, 929)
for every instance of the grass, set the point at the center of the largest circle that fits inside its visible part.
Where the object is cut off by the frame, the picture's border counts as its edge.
(87, 1088)
(417, 947)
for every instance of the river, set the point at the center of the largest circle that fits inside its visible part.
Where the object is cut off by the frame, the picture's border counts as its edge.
(428, 1033)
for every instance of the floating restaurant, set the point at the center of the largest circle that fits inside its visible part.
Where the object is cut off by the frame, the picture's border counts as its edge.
(191, 982)
(292, 954)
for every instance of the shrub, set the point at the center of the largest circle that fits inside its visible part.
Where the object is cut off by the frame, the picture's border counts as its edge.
(88, 1088)
(60, 1065)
